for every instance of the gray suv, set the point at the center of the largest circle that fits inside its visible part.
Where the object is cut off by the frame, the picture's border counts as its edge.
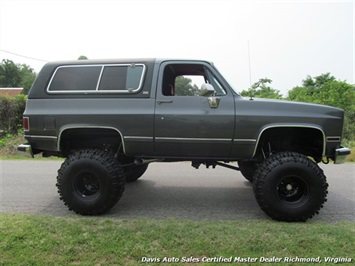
(111, 118)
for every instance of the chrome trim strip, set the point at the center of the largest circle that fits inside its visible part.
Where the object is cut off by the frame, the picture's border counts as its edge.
(140, 85)
(245, 140)
(78, 127)
(40, 137)
(333, 139)
(138, 138)
(193, 139)
(96, 91)
(99, 80)
(304, 126)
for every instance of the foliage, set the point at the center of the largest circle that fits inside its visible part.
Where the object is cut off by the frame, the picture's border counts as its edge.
(184, 87)
(260, 89)
(15, 75)
(10, 75)
(4, 139)
(325, 89)
(350, 144)
(28, 77)
(83, 57)
(11, 110)
(9, 144)
(42, 240)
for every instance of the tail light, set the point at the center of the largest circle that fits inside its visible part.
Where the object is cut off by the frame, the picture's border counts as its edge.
(26, 123)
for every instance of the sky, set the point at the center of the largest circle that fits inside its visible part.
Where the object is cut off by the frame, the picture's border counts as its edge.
(284, 41)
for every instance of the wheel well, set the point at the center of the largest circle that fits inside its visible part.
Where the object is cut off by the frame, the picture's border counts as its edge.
(84, 138)
(306, 141)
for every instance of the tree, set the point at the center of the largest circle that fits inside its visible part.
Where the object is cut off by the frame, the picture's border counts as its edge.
(260, 89)
(184, 87)
(83, 57)
(325, 89)
(14, 75)
(311, 86)
(28, 76)
(10, 74)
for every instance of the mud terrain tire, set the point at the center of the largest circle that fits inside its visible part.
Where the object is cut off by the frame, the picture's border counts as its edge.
(90, 182)
(135, 172)
(290, 187)
(248, 169)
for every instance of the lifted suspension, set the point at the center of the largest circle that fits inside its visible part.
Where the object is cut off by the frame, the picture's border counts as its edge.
(196, 164)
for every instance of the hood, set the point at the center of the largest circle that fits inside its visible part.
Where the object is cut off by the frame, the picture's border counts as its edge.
(295, 108)
(261, 113)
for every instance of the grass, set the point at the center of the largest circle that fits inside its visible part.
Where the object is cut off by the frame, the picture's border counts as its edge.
(350, 144)
(8, 146)
(48, 240)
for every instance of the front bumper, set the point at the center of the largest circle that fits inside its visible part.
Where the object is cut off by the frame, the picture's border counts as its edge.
(341, 155)
(25, 150)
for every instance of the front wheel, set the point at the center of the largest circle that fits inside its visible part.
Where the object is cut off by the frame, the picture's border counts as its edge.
(248, 169)
(290, 187)
(90, 182)
(133, 173)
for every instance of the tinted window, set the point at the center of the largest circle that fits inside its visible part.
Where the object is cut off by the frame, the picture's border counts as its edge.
(75, 78)
(134, 77)
(111, 79)
(120, 78)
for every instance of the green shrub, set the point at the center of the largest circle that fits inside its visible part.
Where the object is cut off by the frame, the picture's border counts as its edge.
(11, 110)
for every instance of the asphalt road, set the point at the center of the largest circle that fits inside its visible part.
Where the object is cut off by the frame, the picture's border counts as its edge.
(170, 190)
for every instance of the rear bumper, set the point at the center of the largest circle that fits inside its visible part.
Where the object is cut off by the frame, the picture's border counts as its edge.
(25, 150)
(341, 155)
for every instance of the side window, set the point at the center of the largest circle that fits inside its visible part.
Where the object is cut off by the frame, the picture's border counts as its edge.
(187, 85)
(169, 75)
(187, 80)
(120, 78)
(113, 78)
(75, 79)
(220, 91)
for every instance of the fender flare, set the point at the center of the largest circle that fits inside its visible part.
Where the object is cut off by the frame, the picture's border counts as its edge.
(290, 126)
(63, 129)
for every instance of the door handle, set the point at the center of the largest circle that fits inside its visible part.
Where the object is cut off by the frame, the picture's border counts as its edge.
(167, 101)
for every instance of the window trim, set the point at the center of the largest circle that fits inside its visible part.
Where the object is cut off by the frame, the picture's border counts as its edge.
(97, 91)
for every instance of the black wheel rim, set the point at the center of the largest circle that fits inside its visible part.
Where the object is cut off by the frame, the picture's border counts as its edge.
(86, 184)
(292, 189)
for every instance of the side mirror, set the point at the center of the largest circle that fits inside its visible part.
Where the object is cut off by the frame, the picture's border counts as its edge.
(207, 90)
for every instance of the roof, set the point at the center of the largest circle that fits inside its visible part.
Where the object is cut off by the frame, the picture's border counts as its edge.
(119, 61)
(101, 61)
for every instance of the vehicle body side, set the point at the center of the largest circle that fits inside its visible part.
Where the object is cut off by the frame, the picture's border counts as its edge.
(148, 124)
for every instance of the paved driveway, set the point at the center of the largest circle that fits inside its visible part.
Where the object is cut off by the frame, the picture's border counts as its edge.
(174, 190)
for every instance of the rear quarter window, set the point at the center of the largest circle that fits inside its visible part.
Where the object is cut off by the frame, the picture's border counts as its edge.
(123, 78)
(68, 79)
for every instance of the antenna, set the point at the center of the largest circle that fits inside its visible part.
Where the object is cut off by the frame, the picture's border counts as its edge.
(249, 63)
(250, 88)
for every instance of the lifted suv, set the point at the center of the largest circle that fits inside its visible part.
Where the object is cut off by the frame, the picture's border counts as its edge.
(111, 118)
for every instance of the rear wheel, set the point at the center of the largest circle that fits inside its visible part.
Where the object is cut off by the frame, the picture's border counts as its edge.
(90, 182)
(290, 187)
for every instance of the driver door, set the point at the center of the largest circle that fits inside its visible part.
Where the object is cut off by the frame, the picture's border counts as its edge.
(187, 124)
